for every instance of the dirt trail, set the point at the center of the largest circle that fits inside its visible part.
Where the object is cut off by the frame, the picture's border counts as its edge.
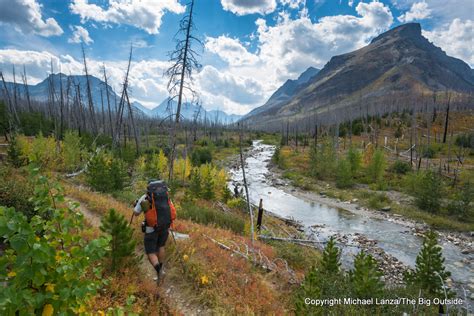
(170, 294)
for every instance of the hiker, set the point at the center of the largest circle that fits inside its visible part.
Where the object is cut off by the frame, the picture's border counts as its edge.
(236, 191)
(159, 216)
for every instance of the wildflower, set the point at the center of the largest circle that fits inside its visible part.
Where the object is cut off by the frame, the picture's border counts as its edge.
(47, 310)
(204, 280)
(11, 274)
(49, 287)
(101, 313)
(185, 257)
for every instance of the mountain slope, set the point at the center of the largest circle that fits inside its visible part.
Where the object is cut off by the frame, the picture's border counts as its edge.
(286, 91)
(41, 91)
(189, 112)
(395, 67)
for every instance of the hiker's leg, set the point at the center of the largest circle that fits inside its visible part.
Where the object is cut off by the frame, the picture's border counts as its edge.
(153, 258)
(161, 254)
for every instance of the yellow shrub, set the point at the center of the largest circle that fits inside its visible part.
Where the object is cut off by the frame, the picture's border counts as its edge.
(182, 169)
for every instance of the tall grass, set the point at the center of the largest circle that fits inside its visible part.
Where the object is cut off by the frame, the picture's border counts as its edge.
(203, 215)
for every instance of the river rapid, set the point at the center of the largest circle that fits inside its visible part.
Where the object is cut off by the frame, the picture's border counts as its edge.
(394, 241)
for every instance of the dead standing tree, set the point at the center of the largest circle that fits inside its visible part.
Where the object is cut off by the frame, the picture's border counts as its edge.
(184, 62)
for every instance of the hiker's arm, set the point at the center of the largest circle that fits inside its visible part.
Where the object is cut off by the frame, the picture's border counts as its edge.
(138, 207)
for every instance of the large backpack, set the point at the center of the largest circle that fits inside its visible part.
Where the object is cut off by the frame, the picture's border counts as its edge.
(162, 210)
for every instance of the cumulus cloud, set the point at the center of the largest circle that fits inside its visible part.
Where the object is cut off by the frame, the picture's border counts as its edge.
(80, 35)
(143, 14)
(243, 7)
(26, 17)
(235, 88)
(230, 50)
(418, 11)
(284, 51)
(455, 38)
(294, 4)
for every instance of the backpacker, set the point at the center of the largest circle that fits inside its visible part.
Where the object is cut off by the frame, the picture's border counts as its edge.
(162, 210)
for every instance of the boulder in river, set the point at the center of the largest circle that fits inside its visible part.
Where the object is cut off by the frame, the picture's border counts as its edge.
(386, 209)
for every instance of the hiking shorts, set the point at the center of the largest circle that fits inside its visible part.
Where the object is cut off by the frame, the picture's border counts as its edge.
(156, 239)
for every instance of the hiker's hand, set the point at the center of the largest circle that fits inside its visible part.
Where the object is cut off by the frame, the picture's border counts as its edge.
(135, 203)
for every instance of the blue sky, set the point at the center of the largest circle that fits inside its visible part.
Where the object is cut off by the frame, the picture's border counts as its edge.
(250, 48)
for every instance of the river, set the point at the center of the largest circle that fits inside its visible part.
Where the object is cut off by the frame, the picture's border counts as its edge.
(394, 238)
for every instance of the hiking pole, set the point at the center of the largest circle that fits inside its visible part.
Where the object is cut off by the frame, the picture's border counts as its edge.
(131, 219)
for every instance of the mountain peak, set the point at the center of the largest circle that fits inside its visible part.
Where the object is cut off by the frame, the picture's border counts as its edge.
(408, 30)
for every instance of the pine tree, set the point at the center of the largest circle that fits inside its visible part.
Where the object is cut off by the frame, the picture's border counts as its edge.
(309, 288)
(330, 263)
(14, 153)
(344, 174)
(429, 269)
(195, 185)
(365, 277)
(428, 191)
(354, 157)
(376, 167)
(208, 188)
(122, 245)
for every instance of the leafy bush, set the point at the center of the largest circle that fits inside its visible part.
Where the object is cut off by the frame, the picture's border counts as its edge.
(354, 157)
(34, 123)
(465, 140)
(428, 152)
(16, 190)
(106, 173)
(462, 204)
(323, 161)
(429, 269)
(376, 167)
(344, 174)
(365, 277)
(72, 151)
(201, 156)
(121, 244)
(48, 270)
(279, 159)
(427, 190)
(400, 167)
(204, 215)
(14, 153)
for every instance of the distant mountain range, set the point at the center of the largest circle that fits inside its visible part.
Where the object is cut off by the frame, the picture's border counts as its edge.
(397, 66)
(40, 92)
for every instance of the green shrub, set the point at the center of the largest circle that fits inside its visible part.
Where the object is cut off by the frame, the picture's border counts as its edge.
(201, 156)
(462, 203)
(465, 140)
(121, 244)
(354, 157)
(72, 151)
(344, 174)
(47, 270)
(14, 153)
(309, 288)
(376, 167)
(323, 161)
(428, 188)
(106, 173)
(428, 152)
(16, 190)
(400, 167)
(204, 215)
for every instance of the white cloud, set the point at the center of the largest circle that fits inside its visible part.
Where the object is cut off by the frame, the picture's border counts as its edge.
(147, 85)
(230, 50)
(143, 14)
(80, 35)
(294, 4)
(418, 11)
(238, 89)
(456, 39)
(350, 3)
(243, 7)
(25, 16)
(284, 51)
(442, 11)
